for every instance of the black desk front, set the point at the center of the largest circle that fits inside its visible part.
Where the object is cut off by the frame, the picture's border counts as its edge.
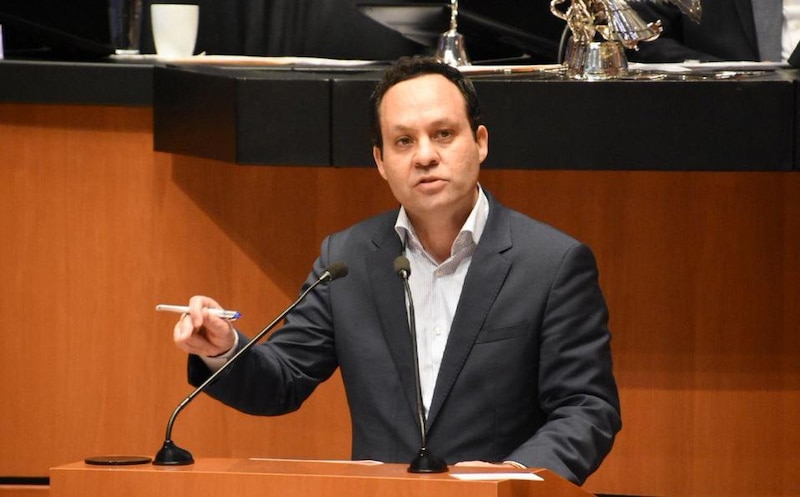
(320, 118)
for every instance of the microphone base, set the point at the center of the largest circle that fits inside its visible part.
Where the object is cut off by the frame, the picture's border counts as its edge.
(425, 462)
(172, 455)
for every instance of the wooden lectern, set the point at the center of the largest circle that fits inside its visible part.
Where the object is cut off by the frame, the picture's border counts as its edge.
(293, 478)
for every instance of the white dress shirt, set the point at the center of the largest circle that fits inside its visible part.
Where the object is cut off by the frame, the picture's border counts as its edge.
(436, 289)
(791, 28)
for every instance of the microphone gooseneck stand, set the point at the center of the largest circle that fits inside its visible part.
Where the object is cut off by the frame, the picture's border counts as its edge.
(172, 455)
(424, 462)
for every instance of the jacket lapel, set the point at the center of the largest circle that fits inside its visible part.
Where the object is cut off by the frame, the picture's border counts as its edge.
(484, 279)
(767, 20)
(389, 295)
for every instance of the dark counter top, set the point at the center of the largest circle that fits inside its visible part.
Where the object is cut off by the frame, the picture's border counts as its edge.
(305, 116)
(738, 123)
(88, 83)
(535, 123)
(274, 117)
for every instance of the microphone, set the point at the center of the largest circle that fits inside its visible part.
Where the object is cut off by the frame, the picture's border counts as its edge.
(424, 462)
(172, 455)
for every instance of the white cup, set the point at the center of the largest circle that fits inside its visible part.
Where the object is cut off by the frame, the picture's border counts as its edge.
(174, 29)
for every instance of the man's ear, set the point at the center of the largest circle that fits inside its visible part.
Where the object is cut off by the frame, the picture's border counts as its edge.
(482, 137)
(377, 155)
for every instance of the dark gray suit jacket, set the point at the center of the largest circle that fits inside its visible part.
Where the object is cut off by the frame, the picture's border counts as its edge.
(526, 373)
(727, 32)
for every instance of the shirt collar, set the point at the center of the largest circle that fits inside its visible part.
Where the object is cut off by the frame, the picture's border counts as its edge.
(473, 227)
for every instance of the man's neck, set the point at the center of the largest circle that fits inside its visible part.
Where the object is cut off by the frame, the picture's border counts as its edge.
(438, 241)
(437, 232)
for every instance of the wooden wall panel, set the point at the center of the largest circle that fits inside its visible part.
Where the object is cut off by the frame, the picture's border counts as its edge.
(700, 271)
(24, 490)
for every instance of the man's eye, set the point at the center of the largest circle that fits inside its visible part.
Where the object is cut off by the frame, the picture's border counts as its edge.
(403, 141)
(445, 133)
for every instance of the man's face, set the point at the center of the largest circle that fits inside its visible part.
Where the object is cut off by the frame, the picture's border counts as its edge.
(430, 156)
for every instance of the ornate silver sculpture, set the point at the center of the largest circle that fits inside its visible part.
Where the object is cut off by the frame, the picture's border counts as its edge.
(603, 29)
(450, 48)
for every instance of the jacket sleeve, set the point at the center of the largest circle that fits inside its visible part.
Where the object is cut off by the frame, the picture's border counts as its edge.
(577, 390)
(277, 376)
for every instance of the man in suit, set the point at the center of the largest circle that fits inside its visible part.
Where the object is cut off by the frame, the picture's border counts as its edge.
(729, 30)
(514, 355)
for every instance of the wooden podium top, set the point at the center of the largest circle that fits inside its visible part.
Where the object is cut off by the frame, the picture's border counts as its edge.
(295, 478)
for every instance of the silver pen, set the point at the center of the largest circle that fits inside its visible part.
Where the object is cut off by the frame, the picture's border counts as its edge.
(220, 313)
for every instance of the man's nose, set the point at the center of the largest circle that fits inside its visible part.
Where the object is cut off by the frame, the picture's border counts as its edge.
(427, 153)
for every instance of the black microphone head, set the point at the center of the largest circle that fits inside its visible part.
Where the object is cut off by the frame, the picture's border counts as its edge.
(402, 267)
(336, 270)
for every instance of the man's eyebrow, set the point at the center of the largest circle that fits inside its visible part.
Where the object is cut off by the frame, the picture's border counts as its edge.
(400, 128)
(445, 121)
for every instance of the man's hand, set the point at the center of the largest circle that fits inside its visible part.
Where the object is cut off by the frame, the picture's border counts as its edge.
(198, 332)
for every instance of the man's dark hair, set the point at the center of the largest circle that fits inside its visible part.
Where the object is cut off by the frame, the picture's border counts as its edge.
(407, 68)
